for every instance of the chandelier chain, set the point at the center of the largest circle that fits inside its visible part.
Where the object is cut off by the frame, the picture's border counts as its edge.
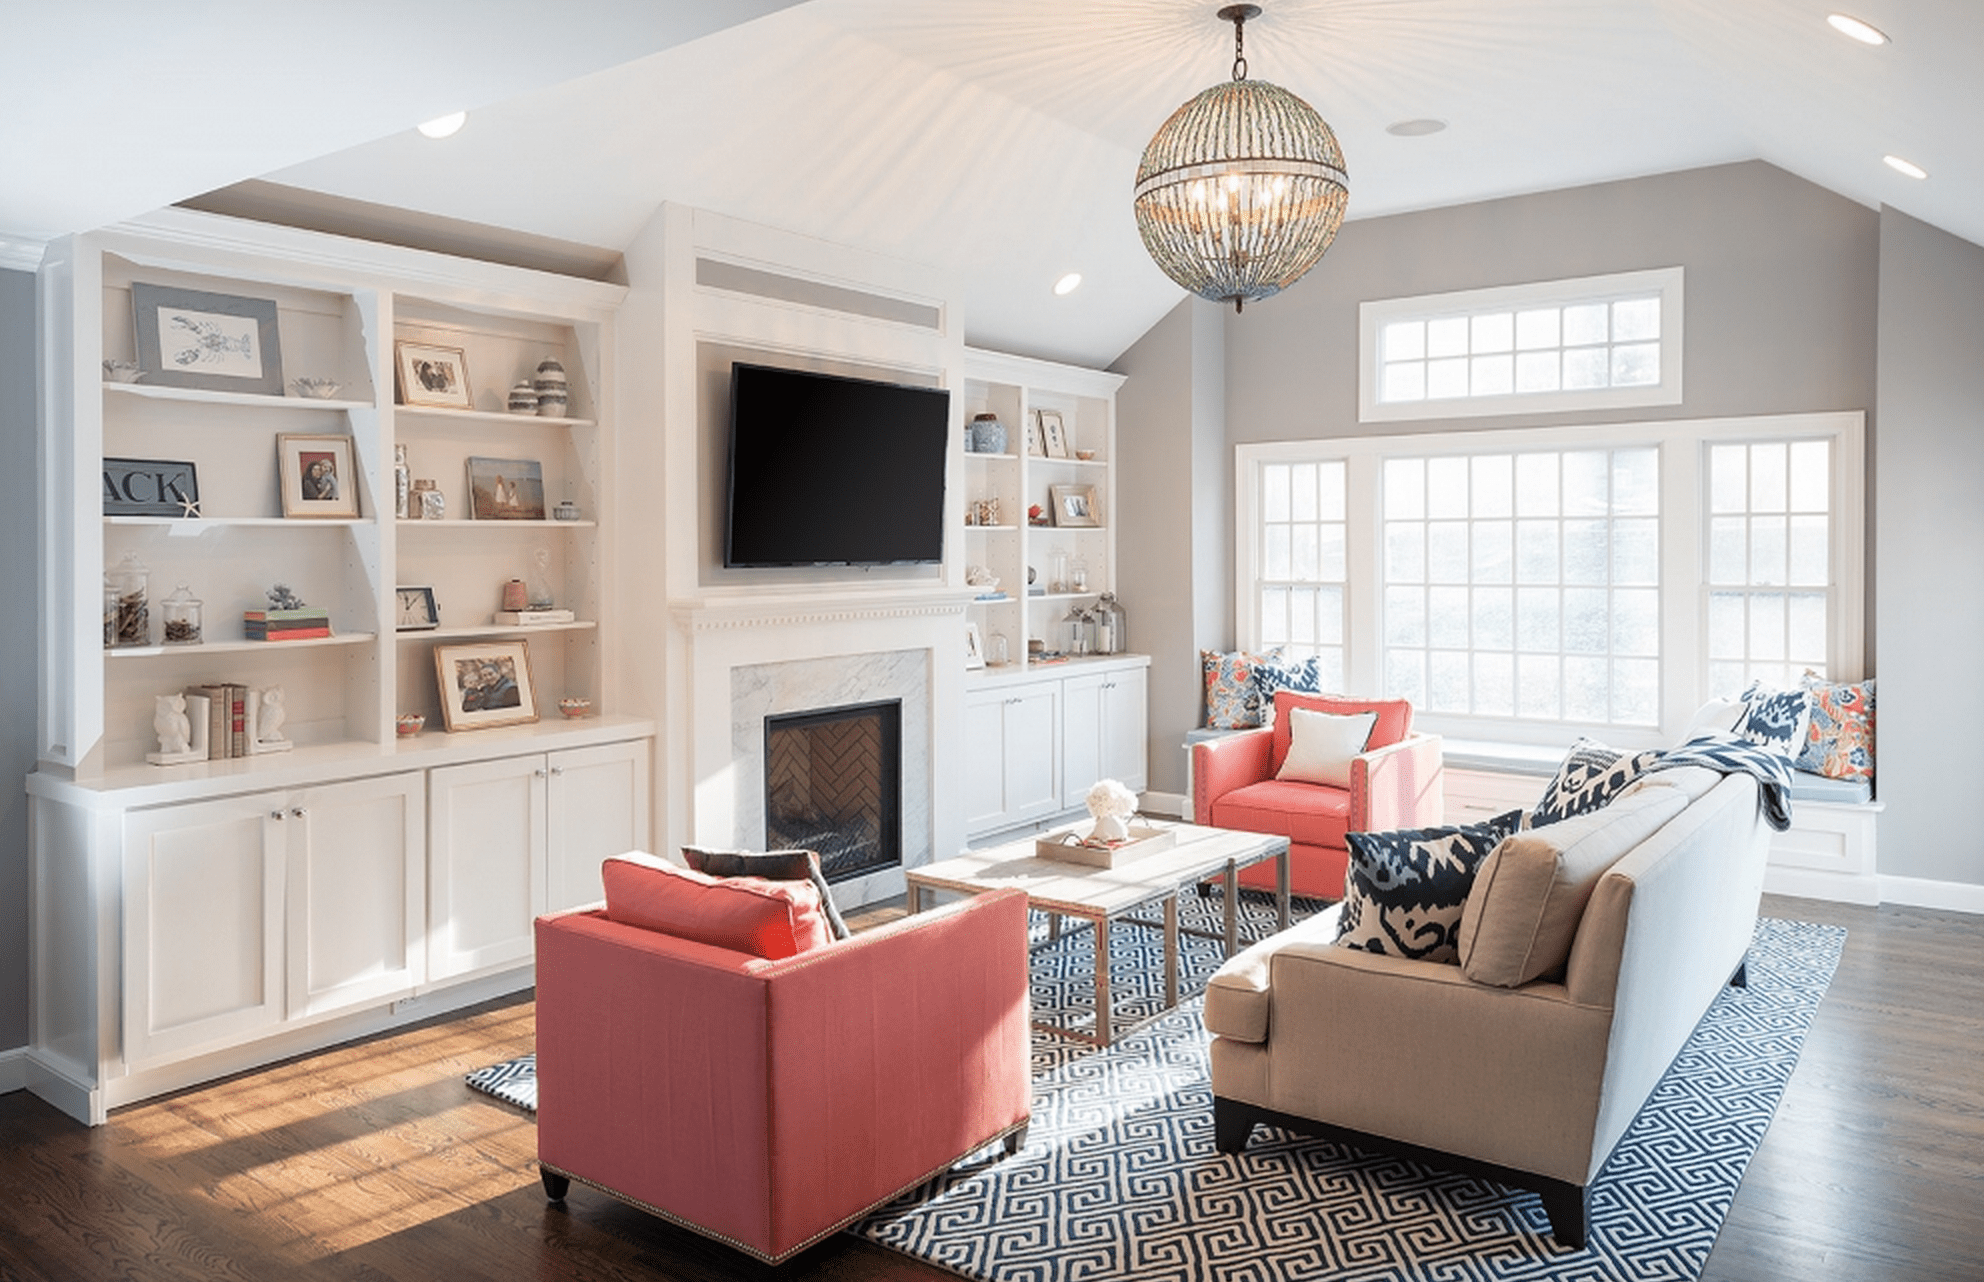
(1240, 46)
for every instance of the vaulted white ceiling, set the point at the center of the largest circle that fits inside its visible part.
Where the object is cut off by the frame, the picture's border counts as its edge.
(995, 138)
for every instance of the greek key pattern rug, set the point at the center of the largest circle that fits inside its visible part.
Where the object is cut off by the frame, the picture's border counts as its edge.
(513, 1082)
(1119, 1178)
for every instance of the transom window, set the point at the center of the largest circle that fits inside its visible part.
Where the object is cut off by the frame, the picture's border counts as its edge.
(1578, 344)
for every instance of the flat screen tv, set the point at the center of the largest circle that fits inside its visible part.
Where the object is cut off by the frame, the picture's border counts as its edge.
(827, 470)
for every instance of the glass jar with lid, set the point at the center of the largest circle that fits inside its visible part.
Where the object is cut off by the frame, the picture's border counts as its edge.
(180, 617)
(130, 581)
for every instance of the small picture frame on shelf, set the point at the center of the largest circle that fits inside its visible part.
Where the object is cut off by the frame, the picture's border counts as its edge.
(317, 476)
(1032, 434)
(485, 684)
(974, 646)
(505, 489)
(433, 376)
(1053, 434)
(416, 610)
(150, 487)
(1074, 506)
(212, 342)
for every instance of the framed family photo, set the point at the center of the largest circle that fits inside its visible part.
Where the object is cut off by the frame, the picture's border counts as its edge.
(214, 342)
(317, 476)
(505, 489)
(485, 684)
(1074, 506)
(433, 376)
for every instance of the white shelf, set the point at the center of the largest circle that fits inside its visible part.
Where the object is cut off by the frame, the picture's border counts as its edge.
(237, 647)
(491, 630)
(487, 416)
(462, 523)
(973, 454)
(194, 524)
(251, 399)
(987, 529)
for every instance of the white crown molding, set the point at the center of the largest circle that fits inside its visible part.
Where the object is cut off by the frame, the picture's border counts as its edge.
(20, 254)
(716, 614)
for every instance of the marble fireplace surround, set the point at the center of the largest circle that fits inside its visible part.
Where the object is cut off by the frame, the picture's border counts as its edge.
(753, 657)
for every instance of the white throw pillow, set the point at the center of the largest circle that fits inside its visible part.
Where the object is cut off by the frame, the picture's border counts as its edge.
(1717, 716)
(1321, 744)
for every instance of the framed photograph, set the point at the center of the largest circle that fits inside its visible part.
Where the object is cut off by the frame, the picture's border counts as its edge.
(505, 489)
(1032, 433)
(1074, 506)
(436, 376)
(1053, 436)
(485, 684)
(317, 475)
(215, 342)
(150, 487)
(974, 646)
(416, 610)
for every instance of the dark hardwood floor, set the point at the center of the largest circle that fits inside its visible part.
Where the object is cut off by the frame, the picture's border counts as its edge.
(373, 1161)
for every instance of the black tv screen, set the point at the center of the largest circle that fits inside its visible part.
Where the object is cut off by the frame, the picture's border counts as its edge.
(827, 470)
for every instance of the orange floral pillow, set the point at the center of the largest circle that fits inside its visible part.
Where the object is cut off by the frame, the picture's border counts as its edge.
(1840, 742)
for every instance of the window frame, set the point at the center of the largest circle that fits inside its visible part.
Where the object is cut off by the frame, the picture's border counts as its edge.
(1375, 315)
(1683, 446)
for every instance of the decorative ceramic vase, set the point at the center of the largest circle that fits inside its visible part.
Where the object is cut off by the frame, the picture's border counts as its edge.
(523, 398)
(565, 511)
(550, 385)
(988, 434)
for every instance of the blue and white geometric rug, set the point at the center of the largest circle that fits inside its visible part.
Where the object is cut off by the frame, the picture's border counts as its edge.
(1119, 1178)
(513, 1082)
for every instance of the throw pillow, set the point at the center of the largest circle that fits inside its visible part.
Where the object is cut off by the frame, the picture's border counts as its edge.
(1406, 890)
(1233, 696)
(1394, 719)
(1531, 891)
(1717, 716)
(772, 865)
(1840, 741)
(1321, 745)
(1775, 720)
(1274, 674)
(1591, 775)
(769, 919)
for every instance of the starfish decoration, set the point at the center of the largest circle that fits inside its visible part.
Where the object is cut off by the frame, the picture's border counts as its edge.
(192, 506)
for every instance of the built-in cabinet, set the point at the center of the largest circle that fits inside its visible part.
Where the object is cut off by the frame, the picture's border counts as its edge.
(199, 918)
(1036, 743)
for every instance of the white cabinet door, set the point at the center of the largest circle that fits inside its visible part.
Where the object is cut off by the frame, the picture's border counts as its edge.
(203, 923)
(1103, 721)
(485, 857)
(1032, 772)
(984, 761)
(1081, 735)
(597, 806)
(357, 892)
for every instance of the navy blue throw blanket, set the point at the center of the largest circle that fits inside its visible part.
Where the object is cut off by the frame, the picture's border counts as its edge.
(1728, 754)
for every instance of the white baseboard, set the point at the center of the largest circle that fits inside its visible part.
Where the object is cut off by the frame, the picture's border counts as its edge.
(1173, 804)
(13, 1070)
(1810, 883)
(1920, 892)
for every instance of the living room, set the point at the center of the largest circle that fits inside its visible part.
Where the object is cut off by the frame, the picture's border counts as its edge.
(1801, 299)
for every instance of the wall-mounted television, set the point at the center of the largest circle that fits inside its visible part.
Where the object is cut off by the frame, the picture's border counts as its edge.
(826, 470)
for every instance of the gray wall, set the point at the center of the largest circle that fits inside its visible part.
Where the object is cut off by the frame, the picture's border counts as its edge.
(1930, 606)
(19, 535)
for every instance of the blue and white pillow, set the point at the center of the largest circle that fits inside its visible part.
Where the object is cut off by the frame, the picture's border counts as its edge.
(1273, 673)
(1406, 890)
(1775, 720)
(1592, 774)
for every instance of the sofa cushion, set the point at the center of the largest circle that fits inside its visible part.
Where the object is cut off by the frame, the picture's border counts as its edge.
(1237, 994)
(1302, 812)
(772, 865)
(1776, 720)
(1590, 776)
(1233, 696)
(769, 919)
(1321, 744)
(1394, 719)
(1406, 890)
(1531, 890)
(1839, 742)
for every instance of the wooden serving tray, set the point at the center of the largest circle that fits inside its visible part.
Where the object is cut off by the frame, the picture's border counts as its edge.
(1069, 848)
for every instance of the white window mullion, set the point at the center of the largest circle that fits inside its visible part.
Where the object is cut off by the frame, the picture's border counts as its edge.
(1364, 549)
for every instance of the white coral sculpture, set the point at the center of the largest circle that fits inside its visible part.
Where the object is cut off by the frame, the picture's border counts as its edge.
(1112, 804)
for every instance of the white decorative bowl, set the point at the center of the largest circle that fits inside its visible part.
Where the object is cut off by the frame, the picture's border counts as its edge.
(575, 706)
(122, 371)
(321, 389)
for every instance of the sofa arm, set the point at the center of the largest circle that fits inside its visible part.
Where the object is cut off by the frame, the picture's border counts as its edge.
(1220, 766)
(1399, 786)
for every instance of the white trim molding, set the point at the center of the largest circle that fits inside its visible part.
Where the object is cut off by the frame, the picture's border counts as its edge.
(13, 1070)
(1921, 892)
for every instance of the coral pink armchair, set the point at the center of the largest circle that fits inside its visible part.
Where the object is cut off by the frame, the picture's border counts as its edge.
(1394, 783)
(768, 1103)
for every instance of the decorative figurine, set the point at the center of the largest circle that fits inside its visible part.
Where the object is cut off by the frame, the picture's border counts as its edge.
(175, 732)
(1112, 804)
(267, 735)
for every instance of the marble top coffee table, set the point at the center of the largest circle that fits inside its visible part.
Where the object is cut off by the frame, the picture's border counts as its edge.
(1105, 895)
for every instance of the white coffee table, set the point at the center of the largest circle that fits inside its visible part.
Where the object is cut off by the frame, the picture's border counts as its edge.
(1103, 895)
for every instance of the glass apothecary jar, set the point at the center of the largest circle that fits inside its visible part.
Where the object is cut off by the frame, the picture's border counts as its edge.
(130, 582)
(180, 617)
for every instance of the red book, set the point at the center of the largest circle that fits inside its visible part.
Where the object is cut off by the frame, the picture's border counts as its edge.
(293, 634)
(237, 716)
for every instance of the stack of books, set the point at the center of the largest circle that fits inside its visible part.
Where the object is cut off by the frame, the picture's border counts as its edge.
(286, 625)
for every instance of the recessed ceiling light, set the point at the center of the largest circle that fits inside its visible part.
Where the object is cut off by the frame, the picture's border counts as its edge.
(1416, 128)
(445, 126)
(1856, 29)
(1901, 166)
(1068, 284)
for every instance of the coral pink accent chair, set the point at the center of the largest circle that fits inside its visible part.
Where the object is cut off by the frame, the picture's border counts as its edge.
(767, 1103)
(1394, 783)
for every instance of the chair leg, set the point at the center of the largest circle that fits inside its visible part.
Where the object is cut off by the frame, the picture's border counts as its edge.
(1741, 977)
(1015, 1141)
(1565, 1205)
(555, 1185)
(1232, 1125)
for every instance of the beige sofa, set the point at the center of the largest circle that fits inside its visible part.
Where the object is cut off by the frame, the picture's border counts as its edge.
(1636, 915)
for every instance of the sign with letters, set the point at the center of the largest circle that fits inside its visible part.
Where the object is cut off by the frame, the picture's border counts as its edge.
(149, 487)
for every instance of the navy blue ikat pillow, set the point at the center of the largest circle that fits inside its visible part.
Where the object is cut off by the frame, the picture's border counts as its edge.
(1591, 775)
(1405, 890)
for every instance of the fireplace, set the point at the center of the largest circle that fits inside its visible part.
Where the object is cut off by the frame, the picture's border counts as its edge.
(833, 784)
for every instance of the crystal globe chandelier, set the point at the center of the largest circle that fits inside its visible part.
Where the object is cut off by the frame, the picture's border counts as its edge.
(1243, 188)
